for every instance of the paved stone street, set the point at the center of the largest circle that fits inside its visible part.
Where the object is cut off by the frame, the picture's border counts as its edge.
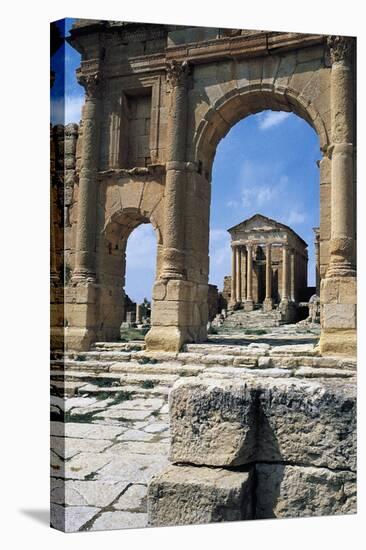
(114, 401)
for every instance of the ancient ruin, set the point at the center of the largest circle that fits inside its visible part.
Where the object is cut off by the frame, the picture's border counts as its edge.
(269, 266)
(158, 100)
(256, 419)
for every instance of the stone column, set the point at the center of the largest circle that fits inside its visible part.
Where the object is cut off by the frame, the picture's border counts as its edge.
(268, 302)
(342, 244)
(292, 275)
(317, 259)
(284, 296)
(248, 306)
(138, 314)
(238, 274)
(338, 287)
(244, 275)
(233, 276)
(174, 198)
(81, 298)
(87, 196)
(179, 309)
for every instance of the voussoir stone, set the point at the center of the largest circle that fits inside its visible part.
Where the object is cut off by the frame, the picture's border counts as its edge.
(183, 495)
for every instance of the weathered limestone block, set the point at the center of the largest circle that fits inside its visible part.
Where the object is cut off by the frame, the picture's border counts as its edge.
(296, 491)
(307, 422)
(212, 422)
(226, 422)
(183, 495)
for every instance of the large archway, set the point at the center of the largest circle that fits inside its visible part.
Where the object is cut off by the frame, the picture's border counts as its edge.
(267, 165)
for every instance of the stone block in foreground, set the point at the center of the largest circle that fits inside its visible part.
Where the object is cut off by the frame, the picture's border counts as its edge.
(297, 491)
(231, 423)
(185, 495)
(213, 423)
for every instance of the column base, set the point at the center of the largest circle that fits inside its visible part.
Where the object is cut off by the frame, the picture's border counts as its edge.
(338, 342)
(268, 304)
(288, 311)
(79, 339)
(248, 305)
(338, 315)
(166, 338)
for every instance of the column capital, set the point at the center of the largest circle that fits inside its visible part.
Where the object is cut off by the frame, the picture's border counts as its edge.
(177, 72)
(340, 48)
(91, 82)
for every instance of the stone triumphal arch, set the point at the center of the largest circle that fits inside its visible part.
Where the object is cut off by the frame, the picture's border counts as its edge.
(158, 99)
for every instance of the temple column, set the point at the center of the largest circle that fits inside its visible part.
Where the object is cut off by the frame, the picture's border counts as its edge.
(238, 274)
(292, 275)
(338, 287)
(244, 275)
(233, 276)
(249, 305)
(268, 302)
(284, 296)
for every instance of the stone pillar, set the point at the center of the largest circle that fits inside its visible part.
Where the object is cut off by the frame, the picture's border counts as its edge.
(238, 274)
(244, 275)
(284, 294)
(249, 305)
(317, 259)
(138, 314)
(268, 301)
(174, 197)
(338, 287)
(292, 275)
(233, 276)
(80, 297)
(342, 245)
(84, 270)
(179, 309)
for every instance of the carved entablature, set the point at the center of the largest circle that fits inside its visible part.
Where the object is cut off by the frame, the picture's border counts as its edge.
(177, 72)
(340, 48)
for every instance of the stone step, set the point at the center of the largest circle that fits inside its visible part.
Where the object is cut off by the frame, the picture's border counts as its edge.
(133, 345)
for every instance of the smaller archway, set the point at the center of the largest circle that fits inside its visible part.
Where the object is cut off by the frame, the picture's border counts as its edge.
(114, 301)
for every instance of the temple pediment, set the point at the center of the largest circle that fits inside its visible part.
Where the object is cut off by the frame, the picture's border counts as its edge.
(262, 224)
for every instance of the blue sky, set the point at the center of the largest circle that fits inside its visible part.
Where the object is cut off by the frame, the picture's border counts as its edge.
(266, 164)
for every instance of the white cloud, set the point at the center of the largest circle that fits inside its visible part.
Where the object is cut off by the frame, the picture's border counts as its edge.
(63, 112)
(233, 204)
(261, 184)
(296, 217)
(269, 119)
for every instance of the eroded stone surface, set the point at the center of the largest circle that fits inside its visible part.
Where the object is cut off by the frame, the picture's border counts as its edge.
(295, 491)
(225, 422)
(183, 495)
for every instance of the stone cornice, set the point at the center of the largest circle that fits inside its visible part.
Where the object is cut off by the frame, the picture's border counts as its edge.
(136, 172)
(259, 44)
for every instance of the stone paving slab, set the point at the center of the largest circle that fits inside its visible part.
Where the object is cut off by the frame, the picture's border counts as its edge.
(117, 422)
